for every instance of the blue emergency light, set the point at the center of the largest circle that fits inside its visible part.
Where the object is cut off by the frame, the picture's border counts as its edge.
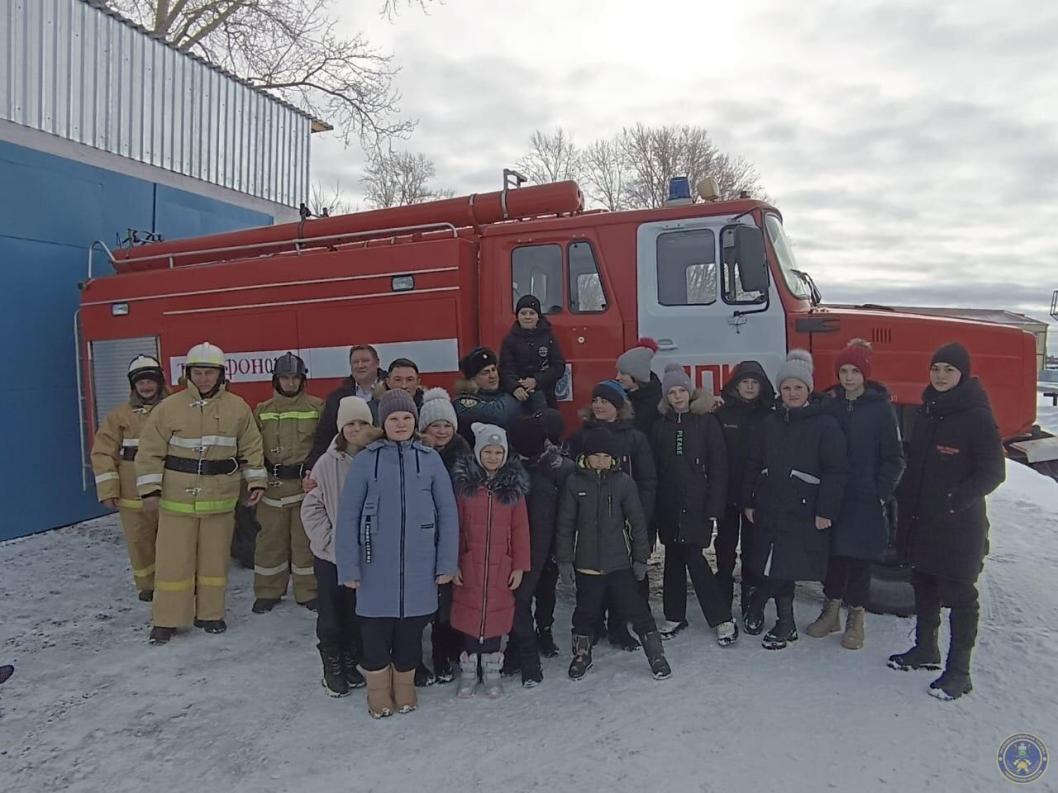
(679, 189)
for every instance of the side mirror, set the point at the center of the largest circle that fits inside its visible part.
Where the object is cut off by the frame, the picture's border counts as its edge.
(747, 251)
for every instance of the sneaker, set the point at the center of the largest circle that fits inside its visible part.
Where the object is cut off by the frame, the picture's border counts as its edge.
(160, 635)
(264, 605)
(512, 664)
(532, 676)
(443, 671)
(659, 667)
(669, 629)
(212, 626)
(726, 633)
(581, 662)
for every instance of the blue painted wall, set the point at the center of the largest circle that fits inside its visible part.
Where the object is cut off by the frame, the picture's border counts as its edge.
(51, 209)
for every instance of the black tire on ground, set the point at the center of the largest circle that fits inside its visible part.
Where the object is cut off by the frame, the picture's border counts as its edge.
(891, 590)
(244, 539)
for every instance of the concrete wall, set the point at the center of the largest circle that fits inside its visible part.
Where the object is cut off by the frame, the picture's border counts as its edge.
(51, 209)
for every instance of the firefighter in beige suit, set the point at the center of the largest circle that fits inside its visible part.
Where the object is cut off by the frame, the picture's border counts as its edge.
(191, 453)
(288, 425)
(113, 453)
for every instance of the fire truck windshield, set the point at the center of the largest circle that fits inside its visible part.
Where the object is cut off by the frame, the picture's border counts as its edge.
(791, 274)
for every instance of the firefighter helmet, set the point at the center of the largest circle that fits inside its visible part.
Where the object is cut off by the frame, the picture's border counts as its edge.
(205, 354)
(290, 365)
(145, 366)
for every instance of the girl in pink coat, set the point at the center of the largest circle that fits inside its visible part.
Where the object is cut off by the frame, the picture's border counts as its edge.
(493, 554)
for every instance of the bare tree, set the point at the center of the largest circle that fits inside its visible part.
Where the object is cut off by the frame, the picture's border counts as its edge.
(329, 200)
(552, 157)
(292, 48)
(395, 178)
(605, 171)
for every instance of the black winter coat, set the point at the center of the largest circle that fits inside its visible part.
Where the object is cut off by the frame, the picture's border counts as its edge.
(691, 463)
(531, 353)
(456, 449)
(876, 462)
(601, 526)
(326, 429)
(796, 471)
(634, 457)
(741, 421)
(645, 401)
(547, 474)
(955, 459)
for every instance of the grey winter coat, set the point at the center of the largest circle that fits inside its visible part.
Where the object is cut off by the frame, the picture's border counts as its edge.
(398, 529)
(601, 526)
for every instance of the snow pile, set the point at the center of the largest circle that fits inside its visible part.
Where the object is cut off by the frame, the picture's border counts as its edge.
(92, 707)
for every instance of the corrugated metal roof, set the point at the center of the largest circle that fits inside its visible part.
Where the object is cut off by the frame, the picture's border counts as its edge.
(74, 69)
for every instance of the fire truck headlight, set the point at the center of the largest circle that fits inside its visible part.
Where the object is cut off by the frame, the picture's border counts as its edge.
(119, 309)
(403, 283)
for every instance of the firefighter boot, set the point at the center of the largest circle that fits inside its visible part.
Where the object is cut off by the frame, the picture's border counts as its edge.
(829, 620)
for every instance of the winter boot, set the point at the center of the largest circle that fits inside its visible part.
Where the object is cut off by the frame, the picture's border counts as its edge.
(491, 679)
(160, 635)
(659, 667)
(581, 662)
(753, 612)
(350, 671)
(784, 630)
(512, 662)
(442, 669)
(955, 681)
(147, 595)
(423, 676)
(852, 639)
(532, 672)
(468, 675)
(619, 637)
(404, 691)
(333, 674)
(726, 633)
(669, 629)
(264, 605)
(212, 626)
(924, 655)
(380, 693)
(546, 641)
(829, 620)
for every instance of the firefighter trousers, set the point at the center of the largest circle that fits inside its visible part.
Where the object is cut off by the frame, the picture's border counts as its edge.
(141, 532)
(282, 550)
(191, 568)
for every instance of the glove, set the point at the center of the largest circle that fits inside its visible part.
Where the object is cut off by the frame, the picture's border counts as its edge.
(639, 570)
(565, 574)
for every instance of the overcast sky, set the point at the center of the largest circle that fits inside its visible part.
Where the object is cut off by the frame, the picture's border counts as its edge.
(912, 147)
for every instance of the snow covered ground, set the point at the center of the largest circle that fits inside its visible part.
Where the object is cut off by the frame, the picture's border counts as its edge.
(92, 707)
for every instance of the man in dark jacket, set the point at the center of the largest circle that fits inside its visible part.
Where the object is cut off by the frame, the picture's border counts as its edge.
(955, 460)
(367, 381)
(748, 398)
(531, 361)
(547, 470)
(692, 489)
(479, 397)
(602, 541)
(642, 386)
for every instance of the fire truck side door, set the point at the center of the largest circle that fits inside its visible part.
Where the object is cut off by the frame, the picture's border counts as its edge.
(693, 305)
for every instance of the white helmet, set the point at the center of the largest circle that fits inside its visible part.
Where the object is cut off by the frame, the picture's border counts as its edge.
(205, 354)
(145, 366)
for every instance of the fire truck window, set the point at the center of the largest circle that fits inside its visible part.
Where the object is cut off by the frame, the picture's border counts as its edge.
(687, 268)
(784, 253)
(586, 294)
(537, 270)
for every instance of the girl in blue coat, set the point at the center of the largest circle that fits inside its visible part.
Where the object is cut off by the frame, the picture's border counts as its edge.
(876, 461)
(397, 539)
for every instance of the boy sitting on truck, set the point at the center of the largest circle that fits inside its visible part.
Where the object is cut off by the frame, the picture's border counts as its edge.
(531, 362)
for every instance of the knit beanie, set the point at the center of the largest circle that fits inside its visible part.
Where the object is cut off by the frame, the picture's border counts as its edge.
(488, 435)
(528, 435)
(857, 353)
(436, 406)
(529, 301)
(396, 400)
(597, 440)
(612, 391)
(956, 355)
(636, 361)
(797, 366)
(353, 408)
(476, 360)
(674, 377)
(554, 424)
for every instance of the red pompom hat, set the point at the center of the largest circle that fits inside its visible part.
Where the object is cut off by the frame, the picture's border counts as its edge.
(857, 353)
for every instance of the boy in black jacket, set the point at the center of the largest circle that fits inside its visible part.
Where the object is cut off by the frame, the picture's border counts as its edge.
(531, 362)
(599, 520)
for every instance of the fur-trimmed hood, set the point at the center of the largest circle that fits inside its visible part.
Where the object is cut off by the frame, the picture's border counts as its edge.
(701, 403)
(509, 484)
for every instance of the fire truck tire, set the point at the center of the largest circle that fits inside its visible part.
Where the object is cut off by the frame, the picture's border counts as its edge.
(244, 539)
(891, 591)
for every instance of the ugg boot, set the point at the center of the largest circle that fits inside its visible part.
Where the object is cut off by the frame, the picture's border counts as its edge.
(829, 620)
(784, 630)
(404, 691)
(491, 663)
(581, 662)
(468, 675)
(852, 639)
(380, 693)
